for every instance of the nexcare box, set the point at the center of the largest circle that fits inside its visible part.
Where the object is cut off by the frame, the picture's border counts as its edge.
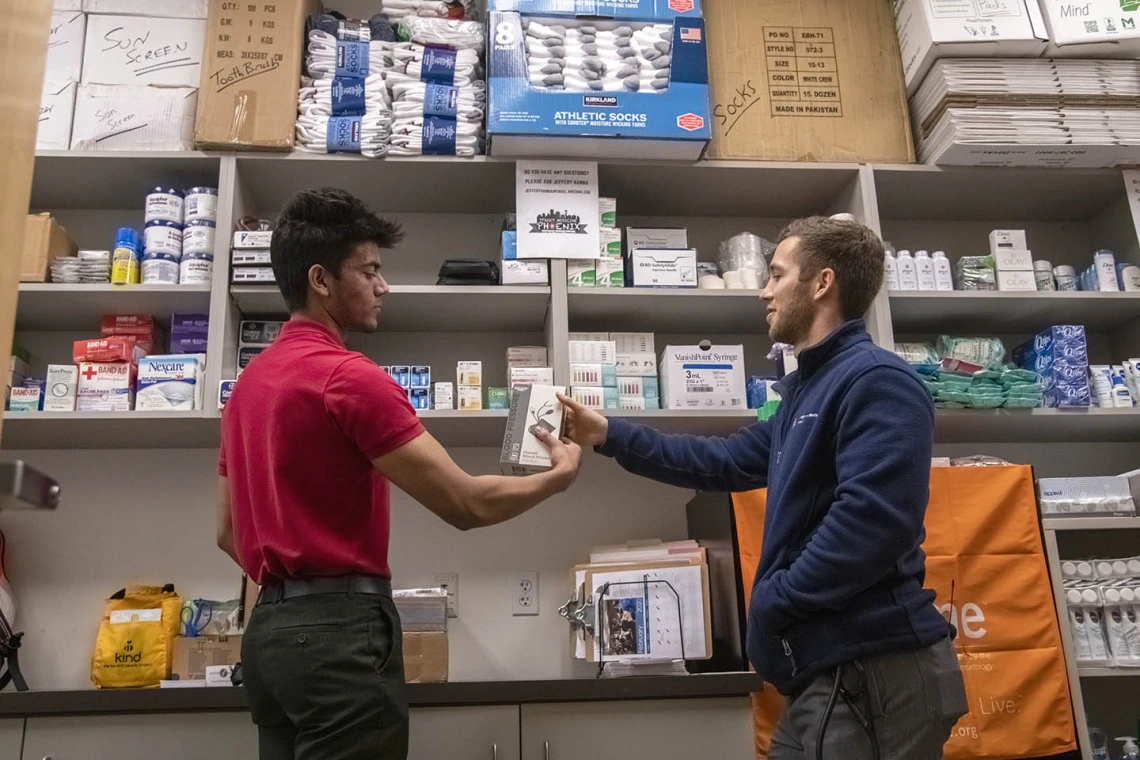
(169, 383)
(532, 407)
(527, 118)
(693, 378)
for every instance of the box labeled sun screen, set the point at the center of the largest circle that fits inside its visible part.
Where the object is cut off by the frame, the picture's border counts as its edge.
(533, 407)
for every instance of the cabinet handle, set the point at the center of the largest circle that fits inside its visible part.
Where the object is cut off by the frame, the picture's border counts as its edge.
(494, 752)
(546, 751)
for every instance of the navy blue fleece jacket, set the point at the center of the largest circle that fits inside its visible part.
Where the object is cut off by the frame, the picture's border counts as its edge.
(846, 461)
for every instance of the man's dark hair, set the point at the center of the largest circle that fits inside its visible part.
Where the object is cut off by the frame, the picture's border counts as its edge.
(322, 226)
(852, 250)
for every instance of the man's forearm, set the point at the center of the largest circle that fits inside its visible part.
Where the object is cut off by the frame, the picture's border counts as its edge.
(496, 498)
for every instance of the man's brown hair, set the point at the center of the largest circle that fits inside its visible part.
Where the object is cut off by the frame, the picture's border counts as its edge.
(852, 250)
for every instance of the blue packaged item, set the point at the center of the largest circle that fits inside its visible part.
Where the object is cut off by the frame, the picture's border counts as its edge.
(438, 136)
(651, 92)
(419, 398)
(351, 58)
(188, 344)
(402, 374)
(343, 134)
(189, 324)
(1066, 396)
(1059, 342)
(510, 245)
(420, 377)
(347, 97)
(438, 65)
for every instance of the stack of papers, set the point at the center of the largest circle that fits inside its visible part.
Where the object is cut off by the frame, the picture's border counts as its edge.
(649, 603)
(1025, 112)
(91, 267)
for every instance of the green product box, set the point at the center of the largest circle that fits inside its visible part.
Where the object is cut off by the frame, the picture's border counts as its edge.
(498, 398)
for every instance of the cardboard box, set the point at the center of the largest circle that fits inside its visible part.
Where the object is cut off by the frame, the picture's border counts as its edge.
(581, 273)
(1016, 281)
(65, 46)
(443, 396)
(532, 406)
(106, 387)
(641, 364)
(657, 237)
(692, 378)
(62, 385)
(520, 376)
(814, 80)
(1013, 260)
(932, 29)
(634, 343)
(525, 272)
(57, 109)
(469, 398)
(44, 239)
(1000, 239)
(1081, 497)
(425, 657)
(114, 348)
(592, 352)
(252, 257)
(524, 120)
(126, 117)
(142, 50)
(595, 397)
(192, 655)
(170, 383)
(1092, 28)
(527, 356)
(165, 8)
(249, 82)
(609, 273)
(469, 373)
(589, 336)
(663, 268)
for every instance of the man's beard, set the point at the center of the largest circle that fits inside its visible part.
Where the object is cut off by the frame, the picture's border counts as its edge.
(794, 319)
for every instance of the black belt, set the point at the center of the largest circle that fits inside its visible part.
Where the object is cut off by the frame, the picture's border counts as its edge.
(278, 590)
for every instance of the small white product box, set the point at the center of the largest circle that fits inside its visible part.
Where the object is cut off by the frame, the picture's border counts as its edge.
(657, 237)
(253, 239)
(470, 397)
(21, 399)
(637, 365)
(592, 352)
(520, 376)
(607, 213)
(469, 373)
(1016, 281)
(634, 342)
(62, 386)
(1107, 495)
(588, 336)
(525, 272)
(1013, 260)
(657, 268)
(693, 378)
(611, 242)
(532, 407)
(443, 396)
(1007, 239)
(603, 375)
(595, 397)
(527, 356)
(643, 387)
(582, 273)
(1092, 28)
(170, 383)
(609, 273)
(106, 387)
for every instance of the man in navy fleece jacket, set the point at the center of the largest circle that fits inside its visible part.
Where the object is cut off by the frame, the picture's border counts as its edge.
(838, 605)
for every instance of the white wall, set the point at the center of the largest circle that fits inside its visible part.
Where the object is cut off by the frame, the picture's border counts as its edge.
(148, 517)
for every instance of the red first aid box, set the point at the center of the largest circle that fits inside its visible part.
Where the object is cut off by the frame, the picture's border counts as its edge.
(122, 348)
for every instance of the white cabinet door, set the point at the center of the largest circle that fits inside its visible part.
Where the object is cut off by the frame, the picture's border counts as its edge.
(196, 736)
(465, 733)
(11, 738)
(662, 730)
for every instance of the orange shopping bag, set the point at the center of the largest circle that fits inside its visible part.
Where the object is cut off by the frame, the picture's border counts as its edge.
(986, 564)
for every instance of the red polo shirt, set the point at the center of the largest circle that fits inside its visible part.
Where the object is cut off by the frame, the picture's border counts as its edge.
(299, 434)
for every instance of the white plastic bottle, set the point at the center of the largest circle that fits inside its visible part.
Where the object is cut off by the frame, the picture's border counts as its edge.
(1131, 751)
(943, 277)
(1121, 397)
(924, 267)
(891, 271)
(908, 275)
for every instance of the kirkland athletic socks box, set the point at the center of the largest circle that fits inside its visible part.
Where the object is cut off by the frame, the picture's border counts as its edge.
(532, 407)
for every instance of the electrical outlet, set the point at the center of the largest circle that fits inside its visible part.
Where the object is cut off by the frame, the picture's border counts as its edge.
(450, 583)
(524, 594)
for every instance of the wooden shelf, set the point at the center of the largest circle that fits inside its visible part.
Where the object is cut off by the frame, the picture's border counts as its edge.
(927, 312)
(431, 308)
(52, 306)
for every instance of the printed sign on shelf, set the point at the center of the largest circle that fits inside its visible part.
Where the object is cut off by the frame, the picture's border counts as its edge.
(557, 204)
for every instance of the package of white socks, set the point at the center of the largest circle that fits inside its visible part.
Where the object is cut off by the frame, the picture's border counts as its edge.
(568, 54)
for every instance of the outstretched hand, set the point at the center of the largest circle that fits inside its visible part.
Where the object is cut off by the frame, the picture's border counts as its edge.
(583, 426)
(565, 456)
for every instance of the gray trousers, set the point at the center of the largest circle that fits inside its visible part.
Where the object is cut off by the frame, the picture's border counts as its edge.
(914, 699)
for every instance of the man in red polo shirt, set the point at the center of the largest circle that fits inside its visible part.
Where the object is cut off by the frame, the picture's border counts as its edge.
(310, 440)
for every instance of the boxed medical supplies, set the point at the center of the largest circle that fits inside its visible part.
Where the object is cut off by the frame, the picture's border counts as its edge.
(443, 396)
(696, 378)
(249, 82)
(44, 240)
(595, 397)
(656, 237)
(532, 407)
(61, 385)
(1092, 28)
(119, 348)
(794, 82)
(106, 386)
(1063, 497)
(170, 383)
(530, 376)
(469, 398)
(592, 352)
(193, 654)
(25, 399)
(148, 333)
(469, 373)
(527, 356)
(663, 268)
(653, 102)
(525, 272)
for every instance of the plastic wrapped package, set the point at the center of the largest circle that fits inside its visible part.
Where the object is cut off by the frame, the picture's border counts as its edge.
(745, 251)
(976, 273)
(917, 353)
(985, 352)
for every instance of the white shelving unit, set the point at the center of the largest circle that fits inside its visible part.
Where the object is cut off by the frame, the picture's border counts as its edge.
(48, 306)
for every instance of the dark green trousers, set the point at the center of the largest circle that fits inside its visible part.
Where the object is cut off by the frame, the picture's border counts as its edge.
(325, 676)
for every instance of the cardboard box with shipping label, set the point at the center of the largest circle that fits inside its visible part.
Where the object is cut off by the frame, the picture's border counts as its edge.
(44, 239)
(249, 83)
(193, 654)
(532, 407)
(425, 657)
(809, 81)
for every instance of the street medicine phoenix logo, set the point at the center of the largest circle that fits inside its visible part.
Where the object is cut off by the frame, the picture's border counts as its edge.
(558, 222)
